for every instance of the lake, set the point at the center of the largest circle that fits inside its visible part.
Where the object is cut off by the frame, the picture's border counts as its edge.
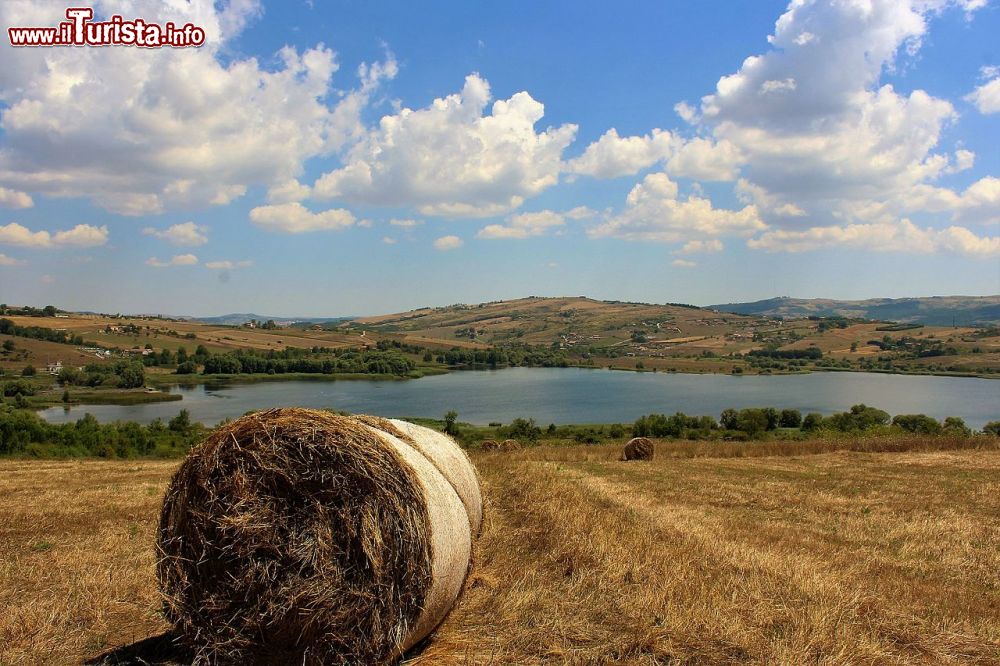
(574, 395)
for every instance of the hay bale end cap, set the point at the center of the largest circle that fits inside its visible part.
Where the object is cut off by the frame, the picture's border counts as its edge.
(295, 535)
(639, 448)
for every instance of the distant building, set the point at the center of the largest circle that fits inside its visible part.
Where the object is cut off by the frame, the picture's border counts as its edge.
(54, 368)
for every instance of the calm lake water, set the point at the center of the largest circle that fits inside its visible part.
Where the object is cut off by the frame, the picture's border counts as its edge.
(574, 395)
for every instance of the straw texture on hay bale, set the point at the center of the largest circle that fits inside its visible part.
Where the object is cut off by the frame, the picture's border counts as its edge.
(490, 445)
(510, 445)
(638, 448)
(300, 536)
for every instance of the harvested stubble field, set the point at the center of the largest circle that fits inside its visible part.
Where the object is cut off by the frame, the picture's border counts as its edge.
(744, 553)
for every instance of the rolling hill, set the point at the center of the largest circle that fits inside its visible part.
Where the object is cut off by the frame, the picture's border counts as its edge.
(569, 322)
(931, 311)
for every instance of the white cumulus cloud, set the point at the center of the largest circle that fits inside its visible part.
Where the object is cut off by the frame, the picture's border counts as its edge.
(294, 218)
(448, 243)
(10, 261)
(815, 138)
(82, 235)
(612, 156)
(185, 234)
(452, 158)
(653, 212)
(15, 199)
(227, 265)
(141, 131)
(986, 97)
(903, 236)
(176, 260)
(700, 247)
(525, 225)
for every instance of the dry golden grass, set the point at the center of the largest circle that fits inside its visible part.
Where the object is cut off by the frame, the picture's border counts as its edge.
(840, 557)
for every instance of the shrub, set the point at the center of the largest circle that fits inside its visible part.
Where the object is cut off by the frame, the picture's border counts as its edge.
(917, 423)
(790, 418)
(861, 417)
(521, 428)
(187, 368)
(812, 421)
(16, 388)
(953, 425)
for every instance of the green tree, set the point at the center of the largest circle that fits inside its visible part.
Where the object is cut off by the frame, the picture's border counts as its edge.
(917, 423)
(727, 419)
(953, 425)
(752, 421)
(449, 422)
(521, 428)
(790, 418)
(28, 371)
(187, 368)
(49, 311)
(812, 421)
(180, 423)
(8, 345)
(773, 418)
(992, 428)
(130, 374)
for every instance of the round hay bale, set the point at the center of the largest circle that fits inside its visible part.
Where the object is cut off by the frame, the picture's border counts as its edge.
(301, 536)
(639, 448)
(510, 445)
(490, 445)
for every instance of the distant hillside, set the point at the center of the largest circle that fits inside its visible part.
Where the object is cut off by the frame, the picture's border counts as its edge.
(237, 318)
(569, 322)
(932, 311)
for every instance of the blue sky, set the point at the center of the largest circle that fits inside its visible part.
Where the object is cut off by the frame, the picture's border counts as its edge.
(332, 158)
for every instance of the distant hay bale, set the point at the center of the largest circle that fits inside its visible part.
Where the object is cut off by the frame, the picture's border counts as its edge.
(510, 445)
(301, 536)
(490, 445)
(639, 448)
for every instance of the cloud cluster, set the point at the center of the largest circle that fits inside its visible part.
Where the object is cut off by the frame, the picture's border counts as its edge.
(176, 260)
(452, 158)
(227, 265)
(654, 212)
(185, 234)
(700, 158)
(448, 243)
(986, 97)
(82, 235)
(821, 139)
(15, 199)
(903, 236)
(612, 155)
(819, 150)
(145, 130)
(524, 225)
(294, 218)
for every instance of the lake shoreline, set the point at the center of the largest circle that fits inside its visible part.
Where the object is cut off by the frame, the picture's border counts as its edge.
(570, 395)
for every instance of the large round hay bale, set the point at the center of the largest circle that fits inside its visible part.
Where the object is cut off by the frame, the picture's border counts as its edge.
(510, 445)
(490, 445)
(300, 536)
(639, 448)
